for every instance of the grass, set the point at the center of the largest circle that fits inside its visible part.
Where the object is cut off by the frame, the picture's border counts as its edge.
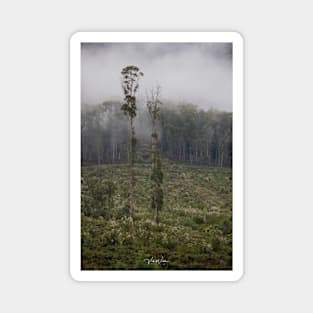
(195, 224)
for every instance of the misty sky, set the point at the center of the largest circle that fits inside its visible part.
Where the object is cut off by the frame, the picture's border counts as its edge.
(198, 73)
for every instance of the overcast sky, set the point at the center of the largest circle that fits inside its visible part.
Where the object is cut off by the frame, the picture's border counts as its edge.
(199, 73)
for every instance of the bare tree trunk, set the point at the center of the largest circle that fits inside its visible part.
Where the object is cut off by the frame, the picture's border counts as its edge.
(157, 175)
(156, 215)
(153, 143)
(98, 156)
(216, 157)
(154, 140)
(208, 153)
(113, 152)
(131, 177)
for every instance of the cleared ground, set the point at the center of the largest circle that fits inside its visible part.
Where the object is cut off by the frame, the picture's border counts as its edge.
(195, 228)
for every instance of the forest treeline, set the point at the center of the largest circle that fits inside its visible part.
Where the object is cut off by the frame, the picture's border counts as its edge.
(187, 134)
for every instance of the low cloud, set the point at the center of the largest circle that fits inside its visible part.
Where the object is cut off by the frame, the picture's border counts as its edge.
(198, 73)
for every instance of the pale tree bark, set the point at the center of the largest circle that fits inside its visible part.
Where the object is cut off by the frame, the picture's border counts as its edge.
(153, 104)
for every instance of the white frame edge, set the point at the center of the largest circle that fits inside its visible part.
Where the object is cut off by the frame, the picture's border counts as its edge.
(75, 106)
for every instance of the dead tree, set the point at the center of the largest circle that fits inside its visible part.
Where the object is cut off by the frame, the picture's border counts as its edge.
(153, 104)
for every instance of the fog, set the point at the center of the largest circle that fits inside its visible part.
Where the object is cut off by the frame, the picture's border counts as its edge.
(198, 73)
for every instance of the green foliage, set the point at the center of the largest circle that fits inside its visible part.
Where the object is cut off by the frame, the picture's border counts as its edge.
(195, 224)
(156, 181)
(130, 85)
(153, 105)
(97, 196)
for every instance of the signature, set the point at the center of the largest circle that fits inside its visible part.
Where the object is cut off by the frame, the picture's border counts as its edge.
(152, 260)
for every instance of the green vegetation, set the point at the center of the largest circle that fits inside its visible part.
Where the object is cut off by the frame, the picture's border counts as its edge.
(195, 222)
(130, 79)
(149, 215)
(153, 105)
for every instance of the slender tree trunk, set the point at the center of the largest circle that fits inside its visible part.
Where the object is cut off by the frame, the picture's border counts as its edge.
(131, 177)
(216, 157)
(113, 152)
(98, 156)
(208, 153)
(156, 215)
(154, 140)
(156, 170)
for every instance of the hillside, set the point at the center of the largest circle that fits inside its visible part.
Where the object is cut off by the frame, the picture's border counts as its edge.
(195, 224)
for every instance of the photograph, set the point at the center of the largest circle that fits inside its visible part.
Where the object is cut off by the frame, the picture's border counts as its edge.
(148, 151)
(156, 156)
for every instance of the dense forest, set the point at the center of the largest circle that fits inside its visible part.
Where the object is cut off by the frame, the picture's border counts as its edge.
(187, 134)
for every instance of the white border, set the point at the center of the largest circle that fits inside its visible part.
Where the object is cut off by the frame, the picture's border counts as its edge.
(75, 94)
